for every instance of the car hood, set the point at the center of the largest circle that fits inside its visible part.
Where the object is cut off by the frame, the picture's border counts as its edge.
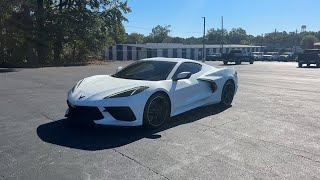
(104, 85)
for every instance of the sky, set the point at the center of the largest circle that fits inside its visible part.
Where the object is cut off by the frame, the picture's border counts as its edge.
(255, 16)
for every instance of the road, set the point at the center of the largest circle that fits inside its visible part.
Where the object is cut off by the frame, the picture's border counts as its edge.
(272, 131)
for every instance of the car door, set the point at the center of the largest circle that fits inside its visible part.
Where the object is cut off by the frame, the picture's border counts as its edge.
(189, 92)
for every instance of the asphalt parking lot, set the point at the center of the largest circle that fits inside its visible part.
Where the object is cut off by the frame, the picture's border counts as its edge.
(272, 131)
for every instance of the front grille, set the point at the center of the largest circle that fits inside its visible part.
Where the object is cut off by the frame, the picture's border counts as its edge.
(121, 113)
(84, 113)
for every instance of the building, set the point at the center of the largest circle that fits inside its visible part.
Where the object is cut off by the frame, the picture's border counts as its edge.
(316, 45)
(297, 50)
(171, 50)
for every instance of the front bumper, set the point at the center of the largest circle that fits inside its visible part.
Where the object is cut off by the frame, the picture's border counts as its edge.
(127, 111)
(84, 113)
(309, 62)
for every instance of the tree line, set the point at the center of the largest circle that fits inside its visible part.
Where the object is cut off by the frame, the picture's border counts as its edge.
(39, 32)
(273, 40)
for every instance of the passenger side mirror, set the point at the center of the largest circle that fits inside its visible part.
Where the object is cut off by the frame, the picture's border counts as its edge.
(119, 69)
(182, 75)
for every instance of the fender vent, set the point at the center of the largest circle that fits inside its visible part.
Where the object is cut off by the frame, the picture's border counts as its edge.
(121, 113)
(213, 86)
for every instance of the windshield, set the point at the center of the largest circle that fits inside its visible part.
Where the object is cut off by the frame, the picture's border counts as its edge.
(146, 70)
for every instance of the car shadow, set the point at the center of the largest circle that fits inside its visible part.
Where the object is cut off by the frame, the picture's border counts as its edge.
(7, 70)
(233, 64)
(62, 133)
(309, 67)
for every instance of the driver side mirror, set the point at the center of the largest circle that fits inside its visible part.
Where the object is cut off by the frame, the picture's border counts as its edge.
(182, 75)
(119, 69)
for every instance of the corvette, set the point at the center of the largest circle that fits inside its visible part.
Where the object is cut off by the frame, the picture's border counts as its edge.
(150, 91)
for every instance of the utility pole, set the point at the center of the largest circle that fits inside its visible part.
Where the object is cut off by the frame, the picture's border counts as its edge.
(295, 41)
(222, 35)
(274, 39)
(261, 42)
(203, 40)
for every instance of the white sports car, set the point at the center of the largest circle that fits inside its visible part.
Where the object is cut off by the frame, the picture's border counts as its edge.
(149, 91)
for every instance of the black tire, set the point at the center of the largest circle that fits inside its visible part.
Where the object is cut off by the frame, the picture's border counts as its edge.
(238, 61)
(156, 111)
(251, 62)
(225, 62)
(318, 65)
(300, 65)
(227, 94)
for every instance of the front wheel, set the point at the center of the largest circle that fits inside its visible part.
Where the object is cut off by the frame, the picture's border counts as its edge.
(156, 110)
(225, 62)
(300, 64)
(251, 62)
(227, 94)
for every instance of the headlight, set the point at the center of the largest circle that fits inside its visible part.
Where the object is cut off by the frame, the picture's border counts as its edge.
(76, 86)
(128, 92)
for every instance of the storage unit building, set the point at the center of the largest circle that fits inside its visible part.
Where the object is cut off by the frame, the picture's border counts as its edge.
(171, 50)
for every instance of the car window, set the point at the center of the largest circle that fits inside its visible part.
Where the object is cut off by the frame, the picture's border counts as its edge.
(146, 70)
(188, 67)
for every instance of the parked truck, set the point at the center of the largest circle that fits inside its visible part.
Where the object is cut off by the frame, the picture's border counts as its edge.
(310, 56)
(238, 56)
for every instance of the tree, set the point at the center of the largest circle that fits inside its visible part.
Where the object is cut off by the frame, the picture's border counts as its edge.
(236, 35)
(318, 34)
(135, 38)
(244, 42)
(58, 31)
(214, 36)
(16, 31)
(308, 41)
(176, 40)
(159, 34)
(193, 40)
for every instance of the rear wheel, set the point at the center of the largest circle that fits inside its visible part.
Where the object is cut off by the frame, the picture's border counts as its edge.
(227, 94)
(300, 64)
(156, 110)
(251, 62)
(318, 65)
(225, 62)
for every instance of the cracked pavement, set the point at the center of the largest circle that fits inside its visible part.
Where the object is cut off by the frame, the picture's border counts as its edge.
(272, 131)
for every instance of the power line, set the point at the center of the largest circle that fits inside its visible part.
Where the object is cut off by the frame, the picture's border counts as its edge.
(137, 27)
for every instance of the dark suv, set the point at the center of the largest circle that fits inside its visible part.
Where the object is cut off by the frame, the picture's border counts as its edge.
(237, 56)
(310, 56)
